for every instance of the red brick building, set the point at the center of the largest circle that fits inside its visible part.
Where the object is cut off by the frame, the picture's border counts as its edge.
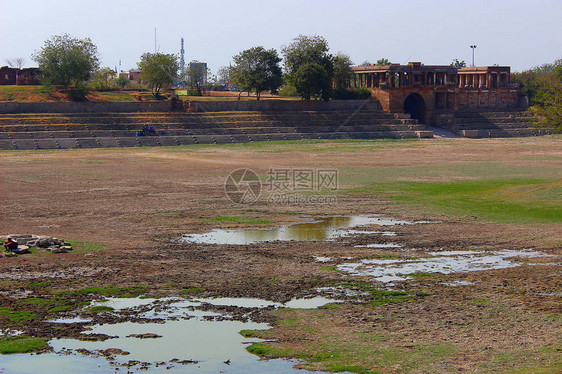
(13, 76)
(427, 90)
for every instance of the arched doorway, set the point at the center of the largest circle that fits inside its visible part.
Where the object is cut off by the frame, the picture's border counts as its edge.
(415, 106)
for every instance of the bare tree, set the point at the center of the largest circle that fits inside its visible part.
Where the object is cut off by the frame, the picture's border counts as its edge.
(16, 62)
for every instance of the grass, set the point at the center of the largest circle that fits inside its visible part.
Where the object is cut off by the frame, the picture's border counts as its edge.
(16, 315)
(332, 350)
(238, 219)
(81, 246)
(193, 290)
(21, 345)
(99, 309)
(503, 200)
(41, 94)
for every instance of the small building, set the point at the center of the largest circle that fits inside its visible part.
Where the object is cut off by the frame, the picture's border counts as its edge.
(132, 75)
(15, 76)
(424, 91)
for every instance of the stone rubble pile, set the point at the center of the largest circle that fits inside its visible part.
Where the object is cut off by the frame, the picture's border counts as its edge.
(50, 243)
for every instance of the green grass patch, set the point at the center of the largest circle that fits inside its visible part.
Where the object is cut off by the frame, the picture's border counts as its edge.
(421, 275)
(21, 345)
(99, 309)
(39, 284)
(329, 268)
(17, 316)
(61, 309)
(113, 291)
(80, 246)
(508, 201)
(34, 301)
(238, 219)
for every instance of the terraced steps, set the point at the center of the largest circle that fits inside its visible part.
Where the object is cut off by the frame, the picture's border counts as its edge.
(83, 130)
(490, 124)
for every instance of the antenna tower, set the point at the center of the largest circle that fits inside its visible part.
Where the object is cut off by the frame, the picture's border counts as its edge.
(182, 58)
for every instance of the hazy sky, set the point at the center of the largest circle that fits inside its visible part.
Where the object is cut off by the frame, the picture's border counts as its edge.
(519, 33)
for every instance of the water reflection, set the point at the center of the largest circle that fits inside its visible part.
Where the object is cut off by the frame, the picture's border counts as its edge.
(320, 229)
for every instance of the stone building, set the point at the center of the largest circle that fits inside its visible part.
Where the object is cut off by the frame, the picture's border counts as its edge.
(13, 76)
(424, 91)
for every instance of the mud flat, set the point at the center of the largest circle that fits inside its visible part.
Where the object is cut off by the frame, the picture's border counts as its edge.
(474, 284)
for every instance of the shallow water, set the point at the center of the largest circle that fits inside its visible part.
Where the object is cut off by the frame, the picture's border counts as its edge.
(324, 228)
(445, 262)
(185, 334)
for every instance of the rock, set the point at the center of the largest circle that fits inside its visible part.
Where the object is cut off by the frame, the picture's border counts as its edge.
(113, 351)
(145, 336)
(66, 248)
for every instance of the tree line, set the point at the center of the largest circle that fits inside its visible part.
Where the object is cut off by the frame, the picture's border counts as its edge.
(306, 69)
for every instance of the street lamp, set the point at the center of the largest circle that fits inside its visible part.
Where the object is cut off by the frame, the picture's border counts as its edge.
(473, 48)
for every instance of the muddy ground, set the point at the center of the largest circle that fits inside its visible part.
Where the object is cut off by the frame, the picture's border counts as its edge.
(137, 202)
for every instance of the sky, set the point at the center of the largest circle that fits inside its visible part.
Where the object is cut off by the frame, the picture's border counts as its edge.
(518, 33)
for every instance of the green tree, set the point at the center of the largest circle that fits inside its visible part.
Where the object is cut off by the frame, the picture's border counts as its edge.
(458, 64)
(383, 61)
(122, 81)
(196, 74)
(342, 70)
(158, 70)
(66, 61)
(257, 69)
(547, 100)
(104, 78)
(532, 81)
(309, 66)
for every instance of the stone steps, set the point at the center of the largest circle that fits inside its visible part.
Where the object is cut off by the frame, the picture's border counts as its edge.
(85, 130)
(148, 141)
(485, 124)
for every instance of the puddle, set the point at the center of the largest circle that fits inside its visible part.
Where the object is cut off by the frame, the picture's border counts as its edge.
(320, 229)
(70, 320)
(187, 340)
(389, 245)
(458, 283)
(445, 262)
(308, 303)
(322, 259)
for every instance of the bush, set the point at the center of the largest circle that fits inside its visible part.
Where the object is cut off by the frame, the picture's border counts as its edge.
(288, 91)
(351, 94)
(78, 92)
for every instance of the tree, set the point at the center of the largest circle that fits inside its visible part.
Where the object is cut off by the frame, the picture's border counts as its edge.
(224, 74)
(383, 61)
(342, 70)
(257, 69)
(458, 64)
(122, 81)
(66, 61)
(309, 66)
(103, 78)
(158, 70)
(548, 98)
(196, 74)
(16, 62)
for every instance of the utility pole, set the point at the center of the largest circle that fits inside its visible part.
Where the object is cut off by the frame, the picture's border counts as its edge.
(155, 40)
(473, 48)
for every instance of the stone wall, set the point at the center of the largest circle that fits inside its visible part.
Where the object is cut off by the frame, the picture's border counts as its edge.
(278, 105)
(87, 107)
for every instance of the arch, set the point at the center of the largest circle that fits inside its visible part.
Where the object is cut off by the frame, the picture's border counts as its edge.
(415, 106)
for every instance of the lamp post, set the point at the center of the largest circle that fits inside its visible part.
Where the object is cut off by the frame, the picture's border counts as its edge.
(473, 48)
